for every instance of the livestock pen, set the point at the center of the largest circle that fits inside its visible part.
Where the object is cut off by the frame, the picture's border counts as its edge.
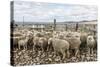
(34, 36)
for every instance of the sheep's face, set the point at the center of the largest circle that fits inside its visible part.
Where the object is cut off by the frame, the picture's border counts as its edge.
(69, 35)
(55, 35)
(76, 36)
(90, 38)
(73, 35)
(61, 35)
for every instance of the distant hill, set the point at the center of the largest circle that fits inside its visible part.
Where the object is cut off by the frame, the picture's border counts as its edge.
(82, 22)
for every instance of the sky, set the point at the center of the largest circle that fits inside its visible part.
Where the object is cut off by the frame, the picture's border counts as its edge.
(47, 12)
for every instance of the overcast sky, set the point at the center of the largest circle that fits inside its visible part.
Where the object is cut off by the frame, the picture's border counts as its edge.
(46, 12)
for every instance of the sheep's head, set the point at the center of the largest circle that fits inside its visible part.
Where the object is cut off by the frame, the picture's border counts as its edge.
(69, 35)
(73, 36)
(61, 36)
(76, 35)
(90, 38)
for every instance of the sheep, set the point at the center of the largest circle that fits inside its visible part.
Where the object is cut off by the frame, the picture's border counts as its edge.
(16, 34)
(36, 43)
(83, 39)
(30, 41)
(48, 34)
(96, 40)
(55, 34)
(23, 42)
(43, 42)
(90, 44)
(40, 43)
(61, 35)
(50, 46)
(61, 46)
(15, 40)
(39, 34)
(74, 40)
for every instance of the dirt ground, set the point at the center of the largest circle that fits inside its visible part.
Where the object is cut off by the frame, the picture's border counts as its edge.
(31, 57)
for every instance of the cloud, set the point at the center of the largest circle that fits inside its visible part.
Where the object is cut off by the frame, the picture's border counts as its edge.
(44, 12)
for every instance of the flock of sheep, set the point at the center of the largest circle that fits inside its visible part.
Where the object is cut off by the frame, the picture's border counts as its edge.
(63, 43)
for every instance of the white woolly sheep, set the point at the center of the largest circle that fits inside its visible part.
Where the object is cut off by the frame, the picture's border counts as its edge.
(61, 46)
(90, 44)
(74, 40)
(23, 42)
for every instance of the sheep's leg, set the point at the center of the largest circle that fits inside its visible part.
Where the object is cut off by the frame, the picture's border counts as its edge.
(26, 47)
(68, 54)
(33, 47)
(91, 51)
(48, 48)
(19, 47)
(63, 53)
(76, 52)
(42, 49)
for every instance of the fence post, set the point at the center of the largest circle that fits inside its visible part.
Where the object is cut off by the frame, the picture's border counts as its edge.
(66, 27)
(54, 24)
(23, 21)
(76, 27)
